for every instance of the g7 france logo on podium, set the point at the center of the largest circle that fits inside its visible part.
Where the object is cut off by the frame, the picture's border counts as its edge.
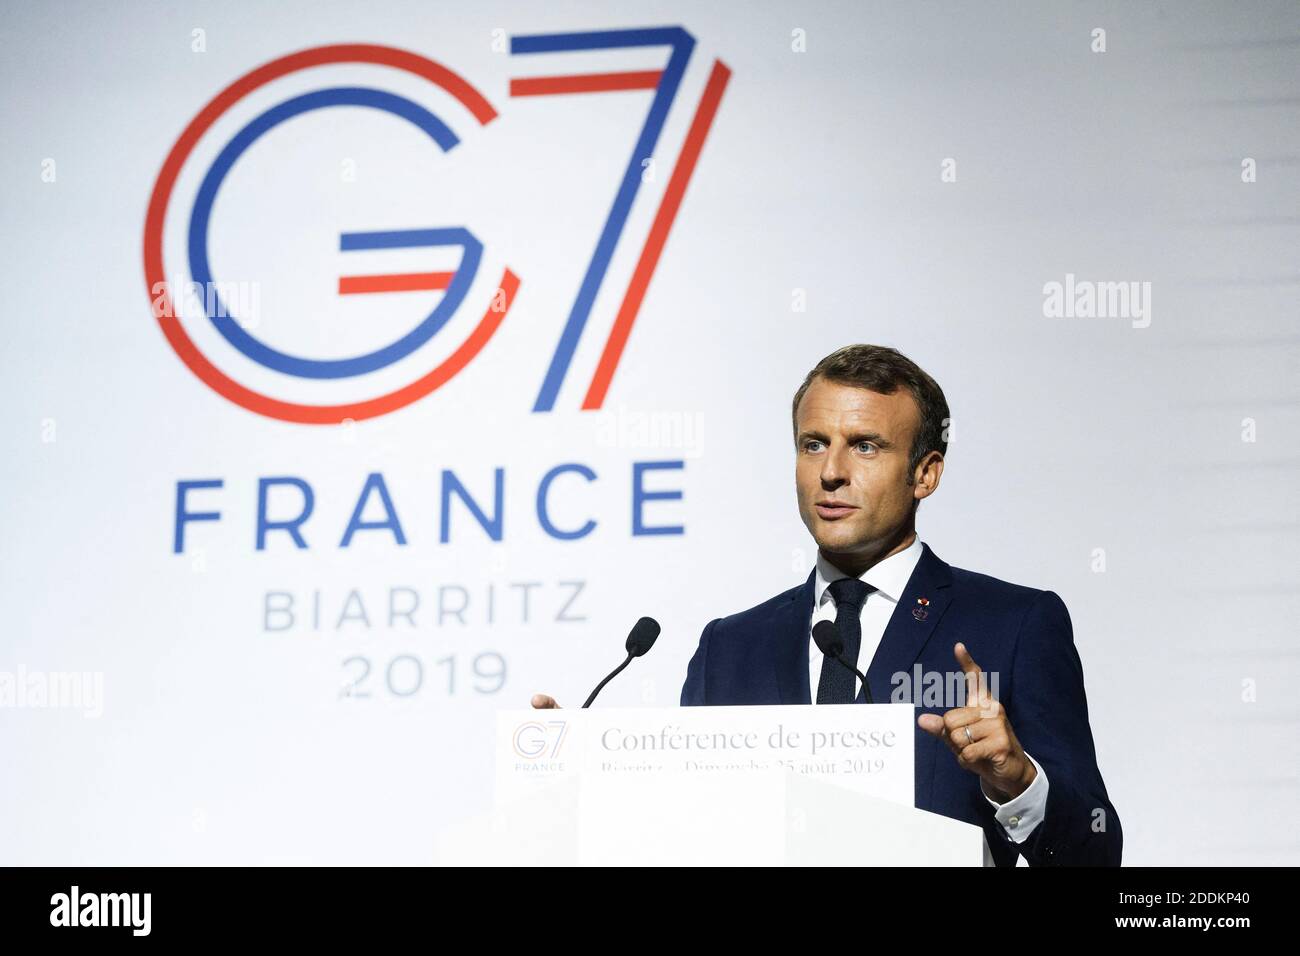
(260, 194)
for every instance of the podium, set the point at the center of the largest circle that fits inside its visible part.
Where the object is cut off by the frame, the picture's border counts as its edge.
(709, 786)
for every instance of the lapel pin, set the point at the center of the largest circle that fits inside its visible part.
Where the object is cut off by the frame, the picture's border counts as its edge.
(920, 613)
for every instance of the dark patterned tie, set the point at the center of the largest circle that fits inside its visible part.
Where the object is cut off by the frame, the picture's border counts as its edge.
(837, 682)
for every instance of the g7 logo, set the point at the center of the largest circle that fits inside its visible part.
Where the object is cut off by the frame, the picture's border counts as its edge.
(534, 739)
(220, 336)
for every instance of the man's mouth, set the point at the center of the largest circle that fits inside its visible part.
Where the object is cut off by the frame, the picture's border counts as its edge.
(831, 510)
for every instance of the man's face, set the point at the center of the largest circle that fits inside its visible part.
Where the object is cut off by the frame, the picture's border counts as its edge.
(852, 449)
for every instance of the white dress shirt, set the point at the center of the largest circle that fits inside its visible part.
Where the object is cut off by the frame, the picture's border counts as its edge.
(1020, 815)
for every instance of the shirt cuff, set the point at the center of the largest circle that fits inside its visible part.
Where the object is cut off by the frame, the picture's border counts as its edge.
(1019, 815)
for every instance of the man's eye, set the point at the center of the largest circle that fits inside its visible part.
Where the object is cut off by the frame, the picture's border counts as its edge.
(808, 445)
(866, 447)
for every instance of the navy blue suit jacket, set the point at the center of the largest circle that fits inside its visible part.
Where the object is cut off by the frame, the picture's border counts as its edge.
(760, 656)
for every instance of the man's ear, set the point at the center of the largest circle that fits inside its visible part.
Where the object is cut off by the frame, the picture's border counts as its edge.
(928, 472)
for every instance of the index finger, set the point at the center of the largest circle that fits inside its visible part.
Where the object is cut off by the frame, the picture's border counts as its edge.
(974, 683)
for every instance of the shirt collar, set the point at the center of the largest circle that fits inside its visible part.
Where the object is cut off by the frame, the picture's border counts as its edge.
(889, 576)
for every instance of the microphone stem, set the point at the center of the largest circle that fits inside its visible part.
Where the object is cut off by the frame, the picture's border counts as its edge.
(599, 687)
(866, 688)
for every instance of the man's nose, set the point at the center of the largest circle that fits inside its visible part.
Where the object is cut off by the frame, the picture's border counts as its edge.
(834, 471)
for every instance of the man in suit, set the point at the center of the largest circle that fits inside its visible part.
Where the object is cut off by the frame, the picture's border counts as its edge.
(1015, 756)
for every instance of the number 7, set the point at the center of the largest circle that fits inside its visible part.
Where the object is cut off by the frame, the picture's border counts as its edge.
(665, 84)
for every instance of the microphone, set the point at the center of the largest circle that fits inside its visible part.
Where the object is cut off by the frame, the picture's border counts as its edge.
(829, 642)
(639, 640)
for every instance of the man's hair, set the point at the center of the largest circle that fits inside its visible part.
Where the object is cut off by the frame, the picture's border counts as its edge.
(884, 370)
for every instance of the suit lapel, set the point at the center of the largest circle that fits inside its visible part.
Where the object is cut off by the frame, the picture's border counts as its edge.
(789, 637)
(919, 610)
